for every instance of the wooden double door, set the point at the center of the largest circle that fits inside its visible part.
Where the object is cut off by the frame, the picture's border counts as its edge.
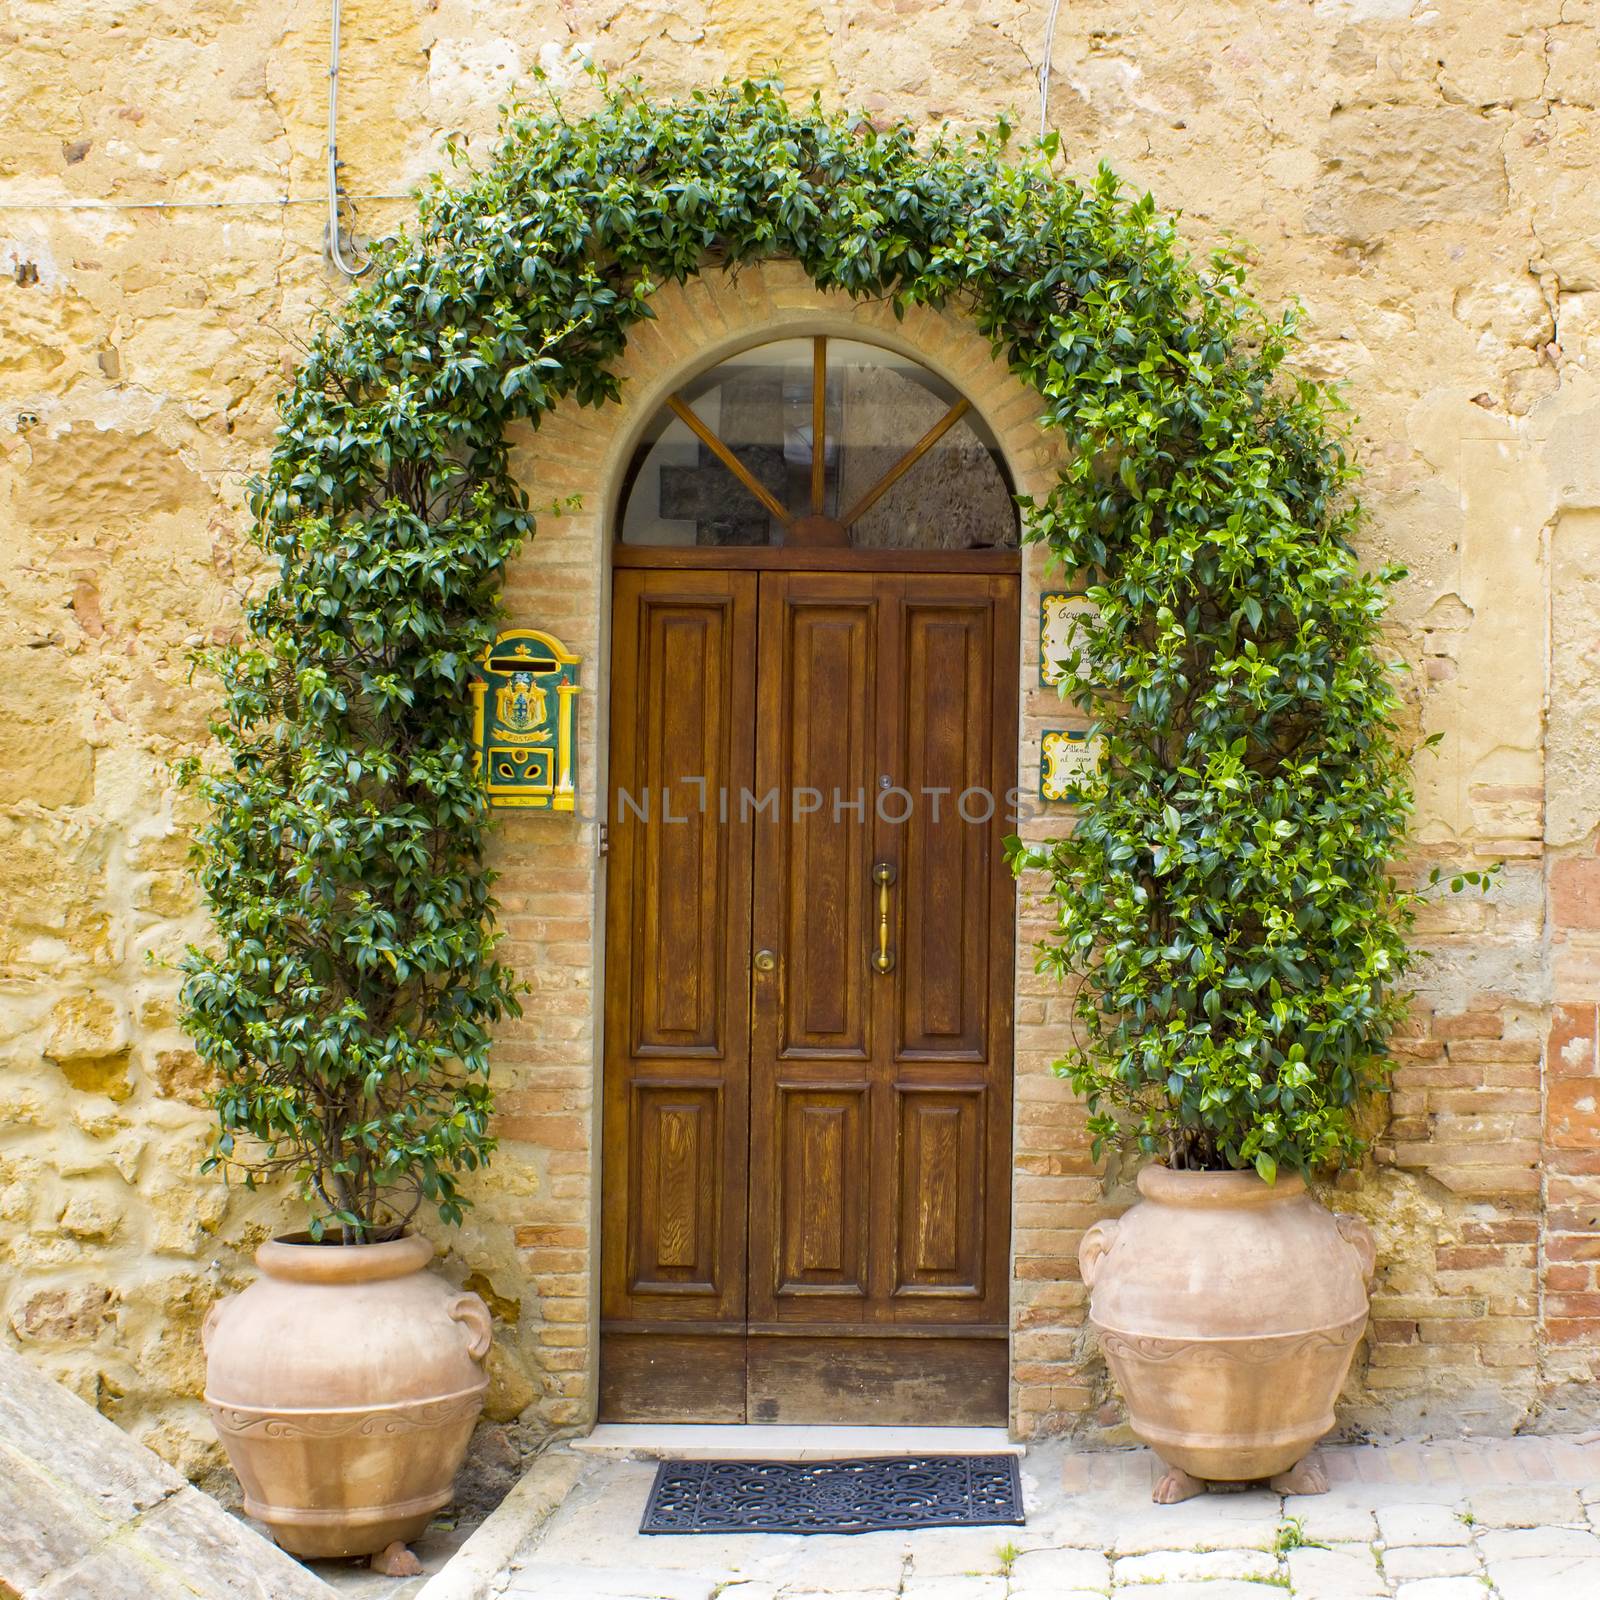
(809, 953)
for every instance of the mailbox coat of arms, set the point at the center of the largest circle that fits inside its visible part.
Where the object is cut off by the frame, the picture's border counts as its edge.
(524, 721)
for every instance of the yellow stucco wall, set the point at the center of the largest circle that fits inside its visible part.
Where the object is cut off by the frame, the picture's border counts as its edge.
(1419, 174)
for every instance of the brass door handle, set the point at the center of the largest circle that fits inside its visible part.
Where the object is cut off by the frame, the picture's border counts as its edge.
(883, 874)
(765, 961)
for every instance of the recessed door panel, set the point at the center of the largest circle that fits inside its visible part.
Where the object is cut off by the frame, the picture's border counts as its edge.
(818, 705)
(948, 845)
(681, 867)
(942, 1180)
(676, 1143)
(822, 1224)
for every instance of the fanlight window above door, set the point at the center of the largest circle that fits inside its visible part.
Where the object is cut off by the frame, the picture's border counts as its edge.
(821, 442)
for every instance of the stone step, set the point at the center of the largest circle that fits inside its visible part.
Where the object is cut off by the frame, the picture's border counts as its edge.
(87, 1511)
(758, 1441)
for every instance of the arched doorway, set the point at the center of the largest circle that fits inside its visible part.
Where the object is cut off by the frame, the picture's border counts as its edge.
(810, 928)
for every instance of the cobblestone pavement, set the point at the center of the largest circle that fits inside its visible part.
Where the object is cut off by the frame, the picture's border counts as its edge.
(1511, 1519)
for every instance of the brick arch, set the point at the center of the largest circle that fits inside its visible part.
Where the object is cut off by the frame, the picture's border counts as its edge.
(582, 451)
(541, 1197)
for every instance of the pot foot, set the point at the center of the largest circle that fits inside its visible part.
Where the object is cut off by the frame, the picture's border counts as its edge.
(1176, 1486)
(1304, 1477)
(396, 1561)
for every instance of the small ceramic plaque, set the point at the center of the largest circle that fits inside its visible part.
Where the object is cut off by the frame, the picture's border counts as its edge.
(1065, 755)
(1056, 611)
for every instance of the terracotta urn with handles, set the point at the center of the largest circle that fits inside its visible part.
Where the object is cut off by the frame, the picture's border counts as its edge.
(344, 1384)
(1229, 1310)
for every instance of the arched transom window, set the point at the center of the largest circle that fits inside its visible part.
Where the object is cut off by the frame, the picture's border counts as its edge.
(822, 442)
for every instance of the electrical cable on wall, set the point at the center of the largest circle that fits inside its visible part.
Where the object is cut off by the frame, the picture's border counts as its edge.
(336, 234)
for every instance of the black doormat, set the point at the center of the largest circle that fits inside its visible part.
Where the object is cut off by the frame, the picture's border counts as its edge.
(834, 1496)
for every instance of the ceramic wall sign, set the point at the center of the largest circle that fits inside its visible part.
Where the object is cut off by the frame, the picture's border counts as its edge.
(1065, 755)
(1057, 610)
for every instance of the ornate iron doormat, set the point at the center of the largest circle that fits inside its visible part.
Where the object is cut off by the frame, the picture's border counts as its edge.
(524, 711)
(834, 1496)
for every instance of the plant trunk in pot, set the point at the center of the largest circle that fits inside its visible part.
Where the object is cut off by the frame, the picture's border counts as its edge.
(344, 1384)
(1229, 1310)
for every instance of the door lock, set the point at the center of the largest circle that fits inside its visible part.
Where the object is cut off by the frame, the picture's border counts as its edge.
(765, 961)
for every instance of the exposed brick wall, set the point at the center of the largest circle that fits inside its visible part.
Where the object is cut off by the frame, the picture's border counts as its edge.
(547, 1065)
(1571, 1255)
(1058, 1191)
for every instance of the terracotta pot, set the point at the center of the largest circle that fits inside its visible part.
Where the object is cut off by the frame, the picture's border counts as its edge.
(1229, 1310)
(344, 1384)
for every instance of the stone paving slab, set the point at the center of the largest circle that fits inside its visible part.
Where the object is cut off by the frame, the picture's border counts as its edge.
(1210, 1522)
(1457, 1520)
(844, 1563)
(955, 1552)
(611, 1583)
(1404, 1562)
(1442, 1589)
(1061, 1570)
(1196, 1566)
(1423, 1525)
(1527, 1506)
(823, 1594)
(1224, 1589)
(1339, 1517)
(1032, 1591)
(950, 1586)
(1335, 1572)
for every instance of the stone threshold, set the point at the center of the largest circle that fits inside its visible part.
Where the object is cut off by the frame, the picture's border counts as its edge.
(767, 1441)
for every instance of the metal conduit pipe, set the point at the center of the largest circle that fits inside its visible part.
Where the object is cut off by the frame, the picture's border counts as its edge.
(335, 230)
(1044, 66)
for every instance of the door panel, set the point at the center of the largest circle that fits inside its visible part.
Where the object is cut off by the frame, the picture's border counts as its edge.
(822, 1239)
(807, 1160)
(869, 1378)
(818, 741)
(676, 1109)
(941, 1190)
(685, 731)
(676, 1139)
(948, 756)
(928, 697)
(819, 663)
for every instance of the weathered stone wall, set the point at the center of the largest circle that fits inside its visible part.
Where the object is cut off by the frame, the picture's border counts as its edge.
(1419, 174)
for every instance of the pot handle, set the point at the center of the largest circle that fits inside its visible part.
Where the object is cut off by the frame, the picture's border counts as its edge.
(1095, 1246)
(1359, 1237)
(470, 1311)
(213, 1320)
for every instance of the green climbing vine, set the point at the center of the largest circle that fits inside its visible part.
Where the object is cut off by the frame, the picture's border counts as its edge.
(1223, 900)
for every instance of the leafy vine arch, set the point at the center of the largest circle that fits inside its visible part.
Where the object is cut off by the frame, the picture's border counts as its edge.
(1222, 898)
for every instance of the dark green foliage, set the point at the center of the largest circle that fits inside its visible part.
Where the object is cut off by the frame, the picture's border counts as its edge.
(1224, 891)
(1225, 899)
